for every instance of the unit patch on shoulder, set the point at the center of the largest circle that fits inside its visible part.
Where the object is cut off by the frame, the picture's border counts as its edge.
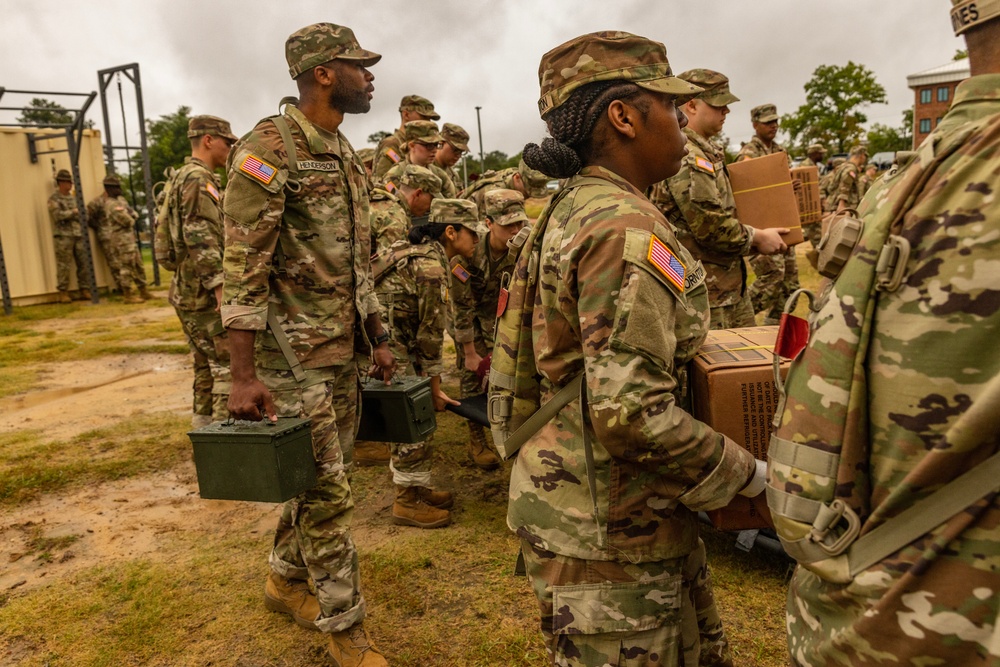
(257, 169)
(666, 262)
(704, 165)
(459, 272)
(393, 155)
(213, 191)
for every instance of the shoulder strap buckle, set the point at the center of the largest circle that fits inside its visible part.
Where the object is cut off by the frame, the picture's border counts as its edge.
(828, 517)
(891, 265)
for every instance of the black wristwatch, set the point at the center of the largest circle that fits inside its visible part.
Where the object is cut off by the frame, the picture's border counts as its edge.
(380, 338)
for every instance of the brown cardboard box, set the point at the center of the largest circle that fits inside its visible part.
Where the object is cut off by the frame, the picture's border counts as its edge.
(732, 390)
(807, 196)
(764, 195)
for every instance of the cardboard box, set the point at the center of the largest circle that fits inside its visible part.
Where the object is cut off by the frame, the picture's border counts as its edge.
(764, 195)
(807, 196)
(732, 390)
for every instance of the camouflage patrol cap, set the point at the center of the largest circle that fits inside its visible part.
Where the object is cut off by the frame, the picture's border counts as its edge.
(322, 42)
(456, 212)
(606, 56)
(111, 179)
(714, 85)
(966, 14)
(366, 155)
(816, 148)
(415, 176)
(534, 181)
(199, 125)
(837, 161)
(64, 175)
(421, 105)
(858, 149)
(424, 131)
(505, 207)
(765, 113)
(456, 136)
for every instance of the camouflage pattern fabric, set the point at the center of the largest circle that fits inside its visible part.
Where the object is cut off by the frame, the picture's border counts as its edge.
(844, 186)
(390, 219)
(194, 229)
(68, 241)
(448, 188)
(605, 309)
(313, 538)
(698, 201)
(491, 180)
(389, 152)
(931, 352)
(414, 299)
(475, 293)
(305, 252)
(120, 219)
(64, 214)
(102, 229)
(757, 148)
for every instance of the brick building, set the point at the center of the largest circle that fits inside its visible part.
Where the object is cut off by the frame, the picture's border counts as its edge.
(933, 91)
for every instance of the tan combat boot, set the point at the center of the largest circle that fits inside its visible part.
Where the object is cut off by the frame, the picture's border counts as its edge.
(410, 510)
(479, 449)
(292, 597)
(144, 293)
(367, 453)
(130, 296)
(354, 648)
(443, 500)
(64, 297)
(84, 295)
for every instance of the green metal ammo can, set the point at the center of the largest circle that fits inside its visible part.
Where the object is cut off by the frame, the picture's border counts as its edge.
(400, 412)
(256, 461)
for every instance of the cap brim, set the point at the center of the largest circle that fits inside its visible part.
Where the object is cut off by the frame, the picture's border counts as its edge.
(719, 99)
(432, 115)
(511, 218)
(670, 85)
(459, 145)
(366, 58)
(768, 118)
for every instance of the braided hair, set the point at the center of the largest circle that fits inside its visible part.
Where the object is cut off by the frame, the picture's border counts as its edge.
(427, 231)
(571, 125)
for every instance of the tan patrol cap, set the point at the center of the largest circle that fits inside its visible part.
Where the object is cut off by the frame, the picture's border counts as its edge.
(111, 179)
(505, 207)
(714, 85)
(534, 181)
(606, 56)
(322, 42)
(213, 125)
(816, 148)
(421, 105)
(456, 136)
(366, 155)
(415, 176)
(424, 131)
(64, 175)
(765, 113)
(456, 212)
(858, 149)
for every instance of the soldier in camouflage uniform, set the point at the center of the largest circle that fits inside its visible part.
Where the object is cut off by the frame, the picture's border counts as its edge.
(826, 181)
(68, 238)
(476, 292)
(814, 158)
(698, 201)
(454, 146)
(868, 177)
(813, 231)
(621, 301)
(413, 292)
(776, 276)
(844, 186)
(932, 362)
(120, 219)
(529, 182)
(189, 239)
(102, 230)
(297, 189)
(391, 149)
(422, 141)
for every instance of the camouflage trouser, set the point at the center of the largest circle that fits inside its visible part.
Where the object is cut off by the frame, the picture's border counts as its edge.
(813, 232)
(611, 614)
(210, 348)
(313, 540)
(777, 277)
(69, 251)
(138, 269)
(739, 314)
(106, 241)
(410, 462)
(126, 256)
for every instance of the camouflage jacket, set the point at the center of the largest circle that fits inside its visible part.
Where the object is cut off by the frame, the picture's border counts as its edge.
(413, 295)
(491, 180)
(198, 240)
(755, 148)
(447, 176)
(119, 216)
(475, 292)
(65, 215)
(95, 215)
(844, 185)
(630, 323)
(389, 152)
(303, 250)
(808, 162)
(390, 219)
(933, 349)
(698, 201)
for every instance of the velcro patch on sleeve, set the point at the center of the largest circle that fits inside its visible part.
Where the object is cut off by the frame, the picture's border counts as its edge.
(666, 262)
(459, 272)
(704, 165)
(393, 155)
(213, 191)
(257, 169)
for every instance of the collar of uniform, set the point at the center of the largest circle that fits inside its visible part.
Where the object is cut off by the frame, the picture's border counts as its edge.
(706, 145)
(320, 141)
(193, 160)
(593, 171)
(984, 87)
(402, 202)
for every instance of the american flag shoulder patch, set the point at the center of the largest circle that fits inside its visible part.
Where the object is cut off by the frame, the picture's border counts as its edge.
(704, 165)
(459, 272)
(393, 155)
(666, 262)
(257, 169)
(213, 191)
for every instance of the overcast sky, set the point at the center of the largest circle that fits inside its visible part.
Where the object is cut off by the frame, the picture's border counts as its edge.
(226, 58)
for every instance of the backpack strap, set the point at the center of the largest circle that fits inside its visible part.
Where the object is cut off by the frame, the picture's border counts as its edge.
(285, 345)
(382, 264)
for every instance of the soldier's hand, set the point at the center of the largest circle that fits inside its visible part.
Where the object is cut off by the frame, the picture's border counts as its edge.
(250, 399)
(218, 297)
(442, 401)
(385, 361)
(472, 361)
(769, 241)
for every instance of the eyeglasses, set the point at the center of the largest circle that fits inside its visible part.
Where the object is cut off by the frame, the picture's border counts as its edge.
(429, 146)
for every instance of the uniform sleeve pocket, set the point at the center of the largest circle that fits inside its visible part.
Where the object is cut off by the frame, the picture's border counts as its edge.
(253, 179)
(623, 607)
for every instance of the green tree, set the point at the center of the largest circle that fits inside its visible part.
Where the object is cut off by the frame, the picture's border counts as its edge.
(832, 114)
(961, 54)
(376, 137)
(44, 112)
(168, 145)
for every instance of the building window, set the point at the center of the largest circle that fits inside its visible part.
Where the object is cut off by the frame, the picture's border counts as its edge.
(925, 96)
(942, 94)
(937, 122)
(925, 125)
